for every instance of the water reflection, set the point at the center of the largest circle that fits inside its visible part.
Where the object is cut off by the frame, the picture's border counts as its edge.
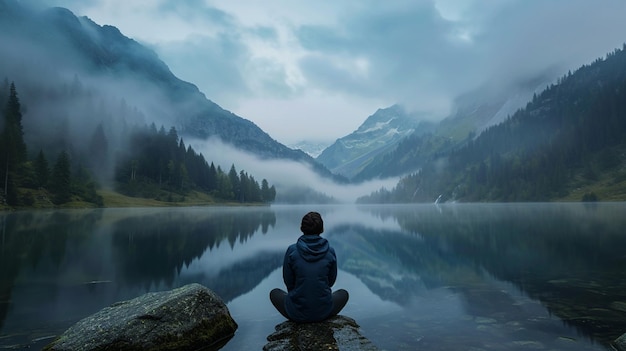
(154, 248)
(57, 267)
(427, 277)
(31, 240)
(568, 257)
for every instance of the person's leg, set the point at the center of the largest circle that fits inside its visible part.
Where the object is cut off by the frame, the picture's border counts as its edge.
(340, 299)
(277, 296)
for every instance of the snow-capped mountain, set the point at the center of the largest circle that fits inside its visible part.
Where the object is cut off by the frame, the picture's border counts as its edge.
(312, 148)
(379, 133)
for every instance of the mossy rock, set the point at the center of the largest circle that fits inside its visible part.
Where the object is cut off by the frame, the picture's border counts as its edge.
(191, 317)
(337, 333)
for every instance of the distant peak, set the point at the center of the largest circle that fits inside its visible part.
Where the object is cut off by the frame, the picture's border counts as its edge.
(60, 12)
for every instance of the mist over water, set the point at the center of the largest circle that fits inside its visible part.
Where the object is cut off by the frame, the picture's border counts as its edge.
(67, 93)
(285, 174)
(491, 276)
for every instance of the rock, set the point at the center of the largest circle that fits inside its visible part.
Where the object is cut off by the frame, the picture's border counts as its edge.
(620, 343)
(188, 318)
(337, 333)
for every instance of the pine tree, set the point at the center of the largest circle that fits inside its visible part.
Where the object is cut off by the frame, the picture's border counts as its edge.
(265, 191)
(224, 186)
(42, 170)
(244, 186)
(61, 181)
(98, 153)
(235, 183)
(272, 194)
(212, 175)
(12, 146)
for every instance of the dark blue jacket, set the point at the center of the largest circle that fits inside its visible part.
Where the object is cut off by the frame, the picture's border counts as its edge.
(309, 271)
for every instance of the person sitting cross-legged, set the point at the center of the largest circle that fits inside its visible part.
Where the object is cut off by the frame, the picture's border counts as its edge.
(309, 272)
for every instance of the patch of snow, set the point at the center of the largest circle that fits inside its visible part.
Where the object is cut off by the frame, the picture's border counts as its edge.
(392, 132)
(311, 148)
(375, 127)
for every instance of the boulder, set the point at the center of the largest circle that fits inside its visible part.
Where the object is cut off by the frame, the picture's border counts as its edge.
(620, 343)
(337, 333)
(191, 317)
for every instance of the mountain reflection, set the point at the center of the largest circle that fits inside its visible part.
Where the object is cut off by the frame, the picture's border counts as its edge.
(38, 239)
(80, 261)
(155, 247)
(568, 257)
(480, 273)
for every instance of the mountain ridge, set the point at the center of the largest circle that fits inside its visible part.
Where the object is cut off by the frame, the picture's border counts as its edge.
(566, 143)
(61, 44)
(361, 156)
(380, 131)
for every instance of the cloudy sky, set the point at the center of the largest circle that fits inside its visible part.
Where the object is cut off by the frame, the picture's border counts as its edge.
(315, 70)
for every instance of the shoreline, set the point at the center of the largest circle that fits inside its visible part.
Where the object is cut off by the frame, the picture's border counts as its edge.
(113, 199)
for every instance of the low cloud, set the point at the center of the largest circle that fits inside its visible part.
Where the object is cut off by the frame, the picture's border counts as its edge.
(284, 174)
(276, 62)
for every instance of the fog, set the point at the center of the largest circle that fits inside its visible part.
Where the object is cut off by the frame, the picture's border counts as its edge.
(284, 174)
(313, 72)
(65, 96)
(62, 111)
(284, 64)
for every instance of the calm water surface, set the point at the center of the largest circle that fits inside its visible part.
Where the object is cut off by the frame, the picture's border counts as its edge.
(448, 277)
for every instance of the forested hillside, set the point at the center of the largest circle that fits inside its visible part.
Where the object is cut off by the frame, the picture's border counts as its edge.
(67, 67)
(570, 137)
(152, 164)
(158, 160)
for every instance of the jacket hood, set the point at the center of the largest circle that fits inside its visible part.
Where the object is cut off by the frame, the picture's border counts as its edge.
(312, 247)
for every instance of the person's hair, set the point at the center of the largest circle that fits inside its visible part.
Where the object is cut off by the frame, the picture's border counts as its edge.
(312, 223)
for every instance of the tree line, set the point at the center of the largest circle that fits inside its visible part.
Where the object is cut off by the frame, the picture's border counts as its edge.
(157, 161)
(566, 137)
(154, 164)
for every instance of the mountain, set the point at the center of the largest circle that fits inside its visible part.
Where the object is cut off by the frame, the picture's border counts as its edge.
(312, 148)
(56, 55)
(568, 142)
(490, 104)
(385, 145)
(378, 134)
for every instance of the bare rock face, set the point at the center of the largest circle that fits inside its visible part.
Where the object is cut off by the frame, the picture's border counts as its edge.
(337, 333)
(191, 317)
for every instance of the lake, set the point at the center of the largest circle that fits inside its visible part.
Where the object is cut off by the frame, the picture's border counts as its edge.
(427, 277)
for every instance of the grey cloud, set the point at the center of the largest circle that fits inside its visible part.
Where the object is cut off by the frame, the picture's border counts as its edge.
(408, 48)
(323, 39)
(323, 72)
(214, 63)
(414, 54)
(196, 9)
(265, 32)
(269, 76)
(522, 39)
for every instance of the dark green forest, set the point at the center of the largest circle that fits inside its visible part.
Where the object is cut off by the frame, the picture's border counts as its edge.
(571, 136)
(158, 161)
(155, 165)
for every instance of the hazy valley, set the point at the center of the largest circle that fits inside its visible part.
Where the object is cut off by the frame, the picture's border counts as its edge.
(78, 82)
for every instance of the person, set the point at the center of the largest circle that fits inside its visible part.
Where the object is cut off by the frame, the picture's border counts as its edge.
(309, 272)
